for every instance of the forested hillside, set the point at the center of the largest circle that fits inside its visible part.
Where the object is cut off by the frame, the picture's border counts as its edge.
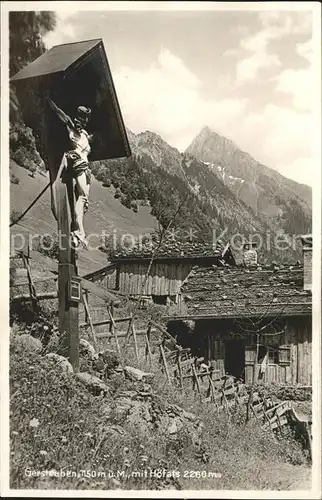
(26, 29)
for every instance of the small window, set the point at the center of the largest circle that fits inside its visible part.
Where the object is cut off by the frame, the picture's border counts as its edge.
(277, 355)
(161, 300)
(273, 352)
(284, 355)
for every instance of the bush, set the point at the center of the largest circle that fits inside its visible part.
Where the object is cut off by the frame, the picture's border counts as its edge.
(135, 206)
(39, 324)
(126, 201)
(295, 451)
(24, 158)
(14, 179)
(14, 216)
(23, 148)
(285, 392)
(125, 187)
(118, 193)
(31, 167)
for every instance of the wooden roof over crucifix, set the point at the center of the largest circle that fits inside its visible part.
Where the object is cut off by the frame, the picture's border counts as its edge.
(73, 74)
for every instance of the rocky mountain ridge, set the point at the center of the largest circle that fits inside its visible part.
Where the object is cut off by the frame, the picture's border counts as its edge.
(203, 183)
(284, 203)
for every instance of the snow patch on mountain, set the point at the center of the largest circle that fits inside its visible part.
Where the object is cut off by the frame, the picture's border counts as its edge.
(236, 179)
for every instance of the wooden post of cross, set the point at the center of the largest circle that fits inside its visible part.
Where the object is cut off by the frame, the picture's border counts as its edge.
(63, 207)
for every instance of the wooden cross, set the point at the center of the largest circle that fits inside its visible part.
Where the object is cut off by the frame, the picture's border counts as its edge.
(63, 207)
(73, 74)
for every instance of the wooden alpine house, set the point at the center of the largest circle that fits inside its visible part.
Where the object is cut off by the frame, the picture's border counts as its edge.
(128, 273)
(251, 320)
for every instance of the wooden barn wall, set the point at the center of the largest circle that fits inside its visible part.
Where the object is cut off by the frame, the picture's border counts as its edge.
(298, 336)
(211, 344)
(216, 354)
(163, 279)
(108, 281)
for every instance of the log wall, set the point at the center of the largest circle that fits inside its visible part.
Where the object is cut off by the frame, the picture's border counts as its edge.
(163, 279)
(293, 361)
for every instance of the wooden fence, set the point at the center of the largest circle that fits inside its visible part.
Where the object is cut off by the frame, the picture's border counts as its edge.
(182, 370)
(155, 349)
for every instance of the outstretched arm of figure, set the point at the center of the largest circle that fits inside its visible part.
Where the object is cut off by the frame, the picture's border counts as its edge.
(60, 113)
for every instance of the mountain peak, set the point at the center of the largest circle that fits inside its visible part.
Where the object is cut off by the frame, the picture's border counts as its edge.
(151, 144)
(208, 145)
(150, 134)
(206, 130)
(253, 183)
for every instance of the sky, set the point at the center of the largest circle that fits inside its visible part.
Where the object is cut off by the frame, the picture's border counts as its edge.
(245, 74)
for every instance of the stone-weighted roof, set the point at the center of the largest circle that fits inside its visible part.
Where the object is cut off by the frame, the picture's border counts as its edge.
(171, 247)
(239, 292)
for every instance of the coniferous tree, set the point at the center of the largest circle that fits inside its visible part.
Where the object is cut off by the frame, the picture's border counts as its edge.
(26, 32)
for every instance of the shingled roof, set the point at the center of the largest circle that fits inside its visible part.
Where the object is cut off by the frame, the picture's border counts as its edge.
(231, 292)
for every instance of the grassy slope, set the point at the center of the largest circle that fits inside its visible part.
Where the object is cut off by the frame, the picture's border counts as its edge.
(105, 213)
(74, 432)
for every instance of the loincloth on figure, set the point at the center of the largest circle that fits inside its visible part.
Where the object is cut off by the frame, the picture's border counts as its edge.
(77, 166)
